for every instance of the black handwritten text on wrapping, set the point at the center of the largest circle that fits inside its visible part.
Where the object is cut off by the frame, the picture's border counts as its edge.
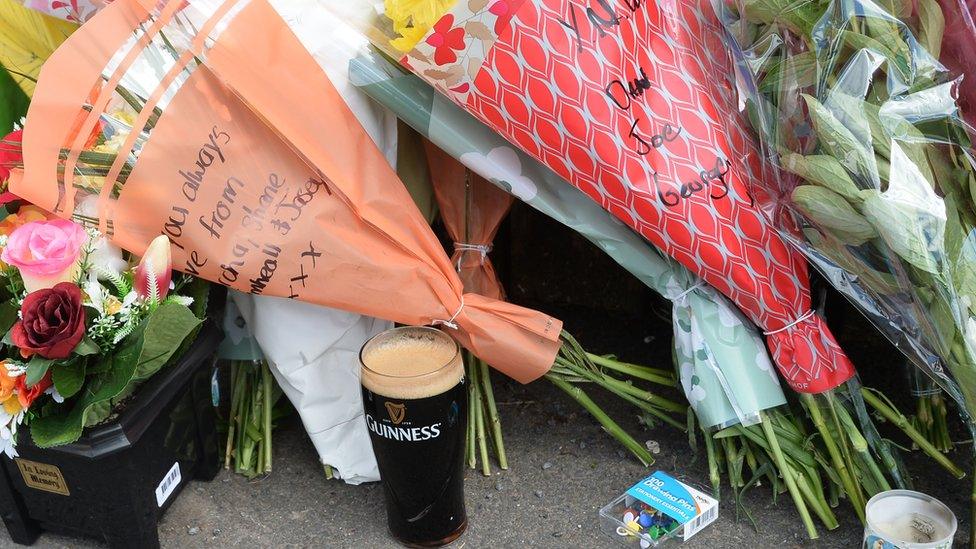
(277, 209)
(715, 177)
(605, 17)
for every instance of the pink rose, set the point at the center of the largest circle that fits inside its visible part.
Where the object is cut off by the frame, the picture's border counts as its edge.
(45, 252)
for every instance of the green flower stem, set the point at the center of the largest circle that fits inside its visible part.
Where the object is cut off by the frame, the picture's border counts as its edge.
(900, 421)
(633, 395)
(846, 439)
(814, 500)
(860, 445)
(788, 477)
(851, 489)
(478, 411)
(470, 452)
(650, 398)
(609, 425)
(493, 419)
(647, 407)
(231, 422)
(267, 382)
(713, 474)
(654, 375)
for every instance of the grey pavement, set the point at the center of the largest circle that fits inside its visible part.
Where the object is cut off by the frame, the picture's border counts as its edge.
(563, 468)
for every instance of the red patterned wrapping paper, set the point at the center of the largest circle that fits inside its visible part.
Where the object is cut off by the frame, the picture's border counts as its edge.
(633, 103)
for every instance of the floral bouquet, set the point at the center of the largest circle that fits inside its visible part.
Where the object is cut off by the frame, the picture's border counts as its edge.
(261, 199)
(83, 329)
(724, 369)
(876, 160)
(636, 108)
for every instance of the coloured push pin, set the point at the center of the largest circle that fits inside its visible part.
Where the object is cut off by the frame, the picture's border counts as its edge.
(629, 515)
(645, 519)
(632, 527)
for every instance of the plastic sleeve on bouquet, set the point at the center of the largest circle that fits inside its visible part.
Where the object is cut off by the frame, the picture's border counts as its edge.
(636, 111)
(725, 370)
(270, 189)
(863, 107)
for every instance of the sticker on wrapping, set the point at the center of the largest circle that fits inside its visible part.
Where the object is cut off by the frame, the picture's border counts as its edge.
(168, 484)
(691, 508)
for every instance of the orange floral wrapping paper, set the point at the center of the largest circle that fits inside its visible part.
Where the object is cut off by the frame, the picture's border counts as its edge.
(256, 170)
(472, 209)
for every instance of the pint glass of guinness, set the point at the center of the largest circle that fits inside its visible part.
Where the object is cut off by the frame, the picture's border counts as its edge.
(414, 398)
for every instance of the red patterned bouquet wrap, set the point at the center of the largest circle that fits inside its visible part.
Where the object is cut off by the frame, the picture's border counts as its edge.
(633, 103)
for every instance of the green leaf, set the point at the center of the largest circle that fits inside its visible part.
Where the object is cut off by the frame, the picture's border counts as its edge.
(13, 102)
(166, 329)
(140, 355)
(931, 26)
(69, 377)
(830, 211)
(915, 234)
(36, 368)
(823, 170)
(86, 347)
(799, 15)
(8, 315)
(837, 140)
(794, 72)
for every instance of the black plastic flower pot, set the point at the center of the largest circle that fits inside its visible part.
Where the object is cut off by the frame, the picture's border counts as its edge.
(116, 482)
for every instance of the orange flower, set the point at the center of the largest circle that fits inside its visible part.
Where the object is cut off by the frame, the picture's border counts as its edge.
(7, 383)
(24, 215)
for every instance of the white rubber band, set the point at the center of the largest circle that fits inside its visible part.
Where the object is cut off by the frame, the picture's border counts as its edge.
(483, 249)
(803, 317)
(685, 293)
(450, 322)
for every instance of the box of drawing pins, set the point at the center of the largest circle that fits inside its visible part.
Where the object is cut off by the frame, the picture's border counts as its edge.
(657, 509)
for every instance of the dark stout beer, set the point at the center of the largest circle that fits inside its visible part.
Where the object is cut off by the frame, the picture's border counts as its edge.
(414, 398)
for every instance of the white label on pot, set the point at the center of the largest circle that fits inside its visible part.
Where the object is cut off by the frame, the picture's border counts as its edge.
(168, 484)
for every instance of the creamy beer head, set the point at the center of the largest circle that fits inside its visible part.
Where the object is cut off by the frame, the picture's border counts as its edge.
(411, 363)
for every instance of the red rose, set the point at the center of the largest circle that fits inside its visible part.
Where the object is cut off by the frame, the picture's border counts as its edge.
(26, 395)
(52, 321)
(10, 153)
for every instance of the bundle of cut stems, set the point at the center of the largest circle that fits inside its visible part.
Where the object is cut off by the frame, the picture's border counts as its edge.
(931, 412)
(254, 394)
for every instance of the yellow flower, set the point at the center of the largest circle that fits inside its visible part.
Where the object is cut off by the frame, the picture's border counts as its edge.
(12, 405)
(408, 38)
(112, 305)
(412, 19)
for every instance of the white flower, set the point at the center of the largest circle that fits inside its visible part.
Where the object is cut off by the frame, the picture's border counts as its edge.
(15, 369)
(8, 431)
(106, 259)
(95, 292)
(53, 392)
(502, 164)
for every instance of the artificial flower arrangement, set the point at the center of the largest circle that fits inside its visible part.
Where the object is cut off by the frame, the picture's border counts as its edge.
(83, 328)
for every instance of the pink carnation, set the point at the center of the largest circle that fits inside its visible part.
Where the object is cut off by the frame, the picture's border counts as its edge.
(46, 250)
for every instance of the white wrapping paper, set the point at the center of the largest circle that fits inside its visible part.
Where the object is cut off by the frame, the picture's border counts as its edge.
(314, 351)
